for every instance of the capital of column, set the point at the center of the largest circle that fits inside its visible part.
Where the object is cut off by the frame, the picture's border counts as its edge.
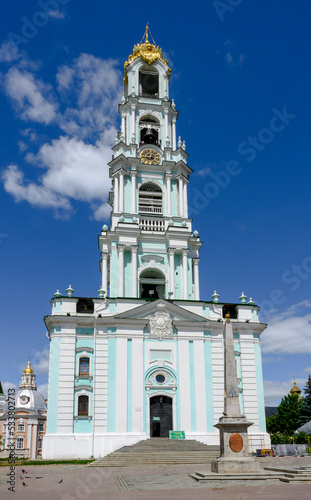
(195, 262)
(104, 255)
(133, 173)
(168, 175)
(185, 251)
(134, 248)
(171, 251)
(121, 248)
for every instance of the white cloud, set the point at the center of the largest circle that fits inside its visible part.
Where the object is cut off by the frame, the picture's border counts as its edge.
(274, 390)
(289, 332)
(40, 362)
(8, 385)
(97, 86)
(31, 97)
(43, 389)
(8, 52)
(73, 170)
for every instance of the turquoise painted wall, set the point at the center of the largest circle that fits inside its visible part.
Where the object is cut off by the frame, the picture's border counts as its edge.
(209, 383)
(127, 194)
(53, 388)
(57, 306)
(260, 391)
(114, 270)
(85, 331)
(83, 424)
(174, 195)
(84, 343)
(192, 388)
(178, 290)
(127, 273)
(111, 397)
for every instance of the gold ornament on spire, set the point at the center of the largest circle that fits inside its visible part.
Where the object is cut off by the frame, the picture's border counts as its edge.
(149, 52)
(295, 389)
(28, 369)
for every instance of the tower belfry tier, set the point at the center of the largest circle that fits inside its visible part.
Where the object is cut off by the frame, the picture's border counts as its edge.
(150, 250)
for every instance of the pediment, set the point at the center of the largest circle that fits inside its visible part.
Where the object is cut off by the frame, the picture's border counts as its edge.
(175, 312)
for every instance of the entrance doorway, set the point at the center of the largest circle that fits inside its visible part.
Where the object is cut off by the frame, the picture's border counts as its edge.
(161, 416)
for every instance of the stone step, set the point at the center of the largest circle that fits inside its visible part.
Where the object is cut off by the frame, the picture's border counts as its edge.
(159, 451)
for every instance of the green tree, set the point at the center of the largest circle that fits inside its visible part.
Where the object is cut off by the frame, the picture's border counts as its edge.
(305, 409)
(286, 419)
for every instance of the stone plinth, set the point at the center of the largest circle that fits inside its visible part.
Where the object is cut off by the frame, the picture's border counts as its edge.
(234, 447)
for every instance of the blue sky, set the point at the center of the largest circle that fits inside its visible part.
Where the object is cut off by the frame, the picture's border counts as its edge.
(241, 82)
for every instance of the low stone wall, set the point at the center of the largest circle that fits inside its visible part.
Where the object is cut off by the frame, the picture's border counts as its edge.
(289, 450)
(17, 453)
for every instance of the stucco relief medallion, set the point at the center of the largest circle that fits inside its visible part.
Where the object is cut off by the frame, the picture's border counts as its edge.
(236, 442)
(161, 323)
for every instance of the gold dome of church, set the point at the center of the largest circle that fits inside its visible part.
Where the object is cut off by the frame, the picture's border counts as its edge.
(295, 389)
(28, 368)
(149, 52)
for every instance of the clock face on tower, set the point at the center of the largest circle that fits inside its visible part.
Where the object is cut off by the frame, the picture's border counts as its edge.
(150, 157)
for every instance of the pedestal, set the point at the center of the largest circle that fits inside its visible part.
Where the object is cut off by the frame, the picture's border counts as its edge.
(234, 447)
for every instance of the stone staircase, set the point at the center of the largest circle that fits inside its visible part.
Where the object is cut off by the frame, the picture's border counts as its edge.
(159, 451)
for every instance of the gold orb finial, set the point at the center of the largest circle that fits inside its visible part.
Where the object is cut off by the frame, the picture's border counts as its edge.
(28, 368)
(295, 389)
(228, 317)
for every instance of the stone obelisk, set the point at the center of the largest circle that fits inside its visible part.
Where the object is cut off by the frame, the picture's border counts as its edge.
(234, 453)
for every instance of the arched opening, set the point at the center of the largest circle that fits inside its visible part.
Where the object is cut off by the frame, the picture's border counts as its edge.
(150, 199)
(149, 131)
(148, 82)
(161, 416)
(152, 284)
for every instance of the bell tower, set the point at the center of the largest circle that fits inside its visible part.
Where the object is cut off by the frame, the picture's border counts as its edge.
(150, 250)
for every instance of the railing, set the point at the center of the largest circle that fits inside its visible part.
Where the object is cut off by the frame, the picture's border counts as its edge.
(154, 210)
(151, 224)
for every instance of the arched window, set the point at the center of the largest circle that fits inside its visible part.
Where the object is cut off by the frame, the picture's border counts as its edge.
(150, 199)
(148, 82)
(20, 443)
(152, 284)
(84, 367)
(149, 131)
(83, 406)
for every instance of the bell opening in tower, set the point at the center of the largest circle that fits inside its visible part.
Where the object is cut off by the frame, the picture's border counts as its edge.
(150, 199)
(152, 284)
(148, 83)
(149, 131)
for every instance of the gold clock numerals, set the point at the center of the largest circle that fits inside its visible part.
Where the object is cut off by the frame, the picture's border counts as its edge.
(150, 157)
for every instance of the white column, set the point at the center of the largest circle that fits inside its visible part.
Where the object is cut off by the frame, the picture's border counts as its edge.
(116, 193)
(121, 270)
(29, 438)
(181, 192)
(133, 188)
(171, 252)
(196, 278)
(123, 126)
(104, 272)
(174, 134)
(185, 199)
(133, 122)
(174, 410)
(148, 412)
(166, 137)
(34, 440)
(185, 272)
(168, 194)
(134, 270)
(121, 198)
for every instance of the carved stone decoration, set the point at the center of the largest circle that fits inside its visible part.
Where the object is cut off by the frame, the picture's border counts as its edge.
(161, 323)
(236, 442)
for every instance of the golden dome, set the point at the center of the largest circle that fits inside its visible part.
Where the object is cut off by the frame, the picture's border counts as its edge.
(147, 51)
(295, 389)
(28, 368)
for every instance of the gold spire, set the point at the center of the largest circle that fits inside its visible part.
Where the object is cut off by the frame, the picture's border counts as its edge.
(28, 368)
(149, 52)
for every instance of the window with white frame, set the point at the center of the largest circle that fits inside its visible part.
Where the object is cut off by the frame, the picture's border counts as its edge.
(84, 367)
(21, 427)
(20, 443)
(83, 406)
(41, 427)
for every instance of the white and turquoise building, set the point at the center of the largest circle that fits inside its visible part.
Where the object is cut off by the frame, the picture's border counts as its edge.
(145, 356)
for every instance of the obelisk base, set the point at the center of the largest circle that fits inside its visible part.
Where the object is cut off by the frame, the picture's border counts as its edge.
(234, 447)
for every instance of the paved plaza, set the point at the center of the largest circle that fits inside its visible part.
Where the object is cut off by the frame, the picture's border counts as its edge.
(152, 483)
